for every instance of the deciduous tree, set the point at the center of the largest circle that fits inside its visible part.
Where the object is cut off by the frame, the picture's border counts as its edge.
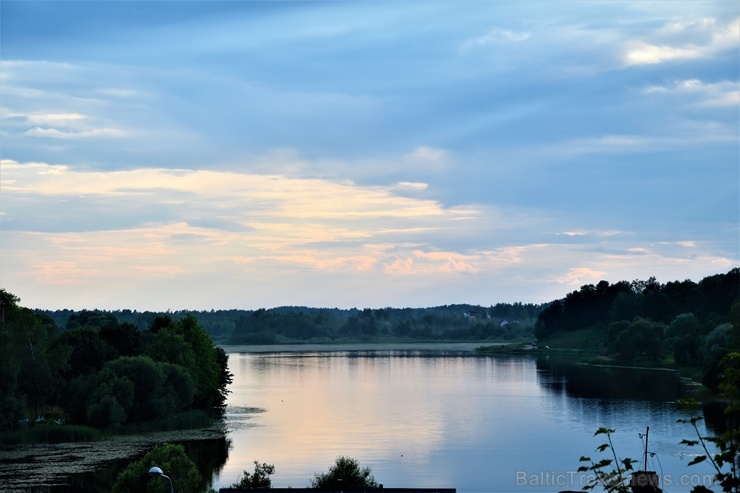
(345, 474)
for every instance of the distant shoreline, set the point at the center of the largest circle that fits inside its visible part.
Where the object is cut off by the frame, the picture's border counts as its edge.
(362, 346)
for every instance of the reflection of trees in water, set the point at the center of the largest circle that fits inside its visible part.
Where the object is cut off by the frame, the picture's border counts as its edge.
(210, 456)
(602, 382)
(608, 390)
(717, 421)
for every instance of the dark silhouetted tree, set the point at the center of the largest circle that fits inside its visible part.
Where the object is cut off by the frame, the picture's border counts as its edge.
(345, 474)
(260, 478)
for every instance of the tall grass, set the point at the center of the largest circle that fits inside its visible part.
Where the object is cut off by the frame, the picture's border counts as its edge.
(51, 434)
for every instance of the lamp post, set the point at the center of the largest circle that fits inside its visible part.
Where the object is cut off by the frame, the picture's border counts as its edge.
(156, 471)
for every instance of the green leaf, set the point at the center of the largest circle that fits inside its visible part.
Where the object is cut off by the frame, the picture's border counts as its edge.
(604, 431)
(603, 463)
(690, 443)
(602, 447)
(698, 459)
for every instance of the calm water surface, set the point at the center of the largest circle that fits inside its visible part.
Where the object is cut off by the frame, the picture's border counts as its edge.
(436, 419)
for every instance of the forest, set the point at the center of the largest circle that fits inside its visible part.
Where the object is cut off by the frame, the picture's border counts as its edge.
(684, 324)
(106, 375)
(113, 370)
(291, 324)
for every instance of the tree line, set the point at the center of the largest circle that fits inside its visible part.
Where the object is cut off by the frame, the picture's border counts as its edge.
(294, 324)
(691, 324)
(104, 374)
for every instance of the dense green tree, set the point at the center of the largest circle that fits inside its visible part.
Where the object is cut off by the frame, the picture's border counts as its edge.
(345, 474)
(39, 361)
(104, 373)
(148, 381)
(625, 306)
(30, 364)
(109, 403)
(178, 388)
(93, 319)
(12, 401)
(615, 329)
(687, 350)
(643, 339)
(88, 352)
(689, 311)
(203, 367)
(682, 338)
(124, 339)
(724, 337)
(549, 320)
(681, 326)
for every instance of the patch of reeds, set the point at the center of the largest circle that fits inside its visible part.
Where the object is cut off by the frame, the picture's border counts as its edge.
(51, 434)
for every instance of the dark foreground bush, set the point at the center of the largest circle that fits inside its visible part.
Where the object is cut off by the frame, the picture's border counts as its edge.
(345, 474)
(172, 460)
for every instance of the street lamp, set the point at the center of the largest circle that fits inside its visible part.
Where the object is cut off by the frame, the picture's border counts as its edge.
(155, 471)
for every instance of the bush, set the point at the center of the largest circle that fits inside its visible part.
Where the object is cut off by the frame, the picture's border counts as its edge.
(175, 464)
(345, 474)
(260, 478)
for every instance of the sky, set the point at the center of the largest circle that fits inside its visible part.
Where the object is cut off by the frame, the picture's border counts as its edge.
(169, 155)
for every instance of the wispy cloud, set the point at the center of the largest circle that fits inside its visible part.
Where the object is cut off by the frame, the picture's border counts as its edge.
(580, 275)
(617, 144)
(54, 133)
(685, 40)
(496, 35)
(716, 94)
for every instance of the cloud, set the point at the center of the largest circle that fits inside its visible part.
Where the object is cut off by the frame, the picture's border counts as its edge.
(40, 118)
(412, 186)
(646, 54)
(53, 133)
(580, 275)
(186, 226)
(583, 233)
(618, 144)
(427, 155)
(716, 94)
(684, 40)
(496, 35)
(433, 262)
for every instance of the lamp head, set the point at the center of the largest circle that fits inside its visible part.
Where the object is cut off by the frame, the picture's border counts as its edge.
(156, 471)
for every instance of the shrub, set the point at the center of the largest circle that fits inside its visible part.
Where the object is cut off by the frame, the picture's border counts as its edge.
(345, 474)
(260, 478)
(172, 460)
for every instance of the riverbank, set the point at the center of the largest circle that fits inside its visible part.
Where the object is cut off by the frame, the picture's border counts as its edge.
(350, 347)
(28, 467)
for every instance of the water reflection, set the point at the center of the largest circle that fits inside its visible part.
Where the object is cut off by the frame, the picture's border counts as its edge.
(607, 382)
(421, 419)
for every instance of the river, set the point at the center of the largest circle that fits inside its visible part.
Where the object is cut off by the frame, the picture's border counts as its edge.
(447, 418)
(419, 415)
